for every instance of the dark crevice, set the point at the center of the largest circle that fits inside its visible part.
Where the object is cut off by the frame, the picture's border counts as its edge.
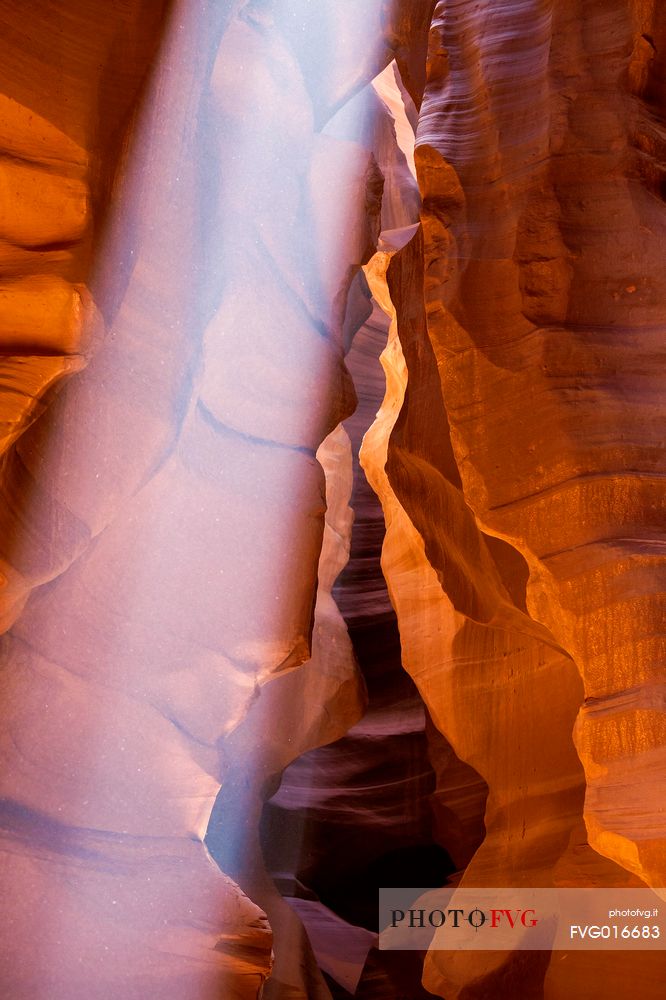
(364, 812)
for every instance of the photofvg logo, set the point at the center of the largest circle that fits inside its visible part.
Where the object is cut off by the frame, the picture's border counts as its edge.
(527, 919)
(490, 919)
(476, 918)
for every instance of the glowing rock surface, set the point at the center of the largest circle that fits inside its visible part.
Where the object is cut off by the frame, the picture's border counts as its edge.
(188, 193)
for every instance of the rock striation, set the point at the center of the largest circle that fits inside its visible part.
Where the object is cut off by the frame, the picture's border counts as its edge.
(531, 573)
(543, 231)
(204, 209)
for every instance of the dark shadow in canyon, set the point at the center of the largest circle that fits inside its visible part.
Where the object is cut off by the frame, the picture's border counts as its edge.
(362, 813)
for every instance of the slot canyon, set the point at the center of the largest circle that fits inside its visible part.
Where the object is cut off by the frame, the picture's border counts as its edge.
(331, 488)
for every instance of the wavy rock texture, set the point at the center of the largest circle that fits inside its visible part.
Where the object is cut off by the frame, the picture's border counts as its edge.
(167, 639)
(175, 516)
(543, 235)
(307, 706)
(517, 416)
(465, 668)
(108, 754)
(349, 815)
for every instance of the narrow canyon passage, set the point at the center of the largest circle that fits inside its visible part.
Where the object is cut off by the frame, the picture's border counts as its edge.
(358, 814)
(264, 653)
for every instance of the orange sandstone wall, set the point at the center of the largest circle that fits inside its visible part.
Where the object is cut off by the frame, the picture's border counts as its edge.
(175, 515)
(519, 452)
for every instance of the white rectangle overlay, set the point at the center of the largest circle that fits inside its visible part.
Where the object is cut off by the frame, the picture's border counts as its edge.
(561, 919)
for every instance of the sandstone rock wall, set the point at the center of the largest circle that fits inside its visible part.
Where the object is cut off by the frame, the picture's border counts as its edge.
(544, 234)
(165, 518)
(515, 452)
(187, 193)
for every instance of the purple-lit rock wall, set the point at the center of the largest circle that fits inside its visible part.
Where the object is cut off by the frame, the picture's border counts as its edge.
(197, 202)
